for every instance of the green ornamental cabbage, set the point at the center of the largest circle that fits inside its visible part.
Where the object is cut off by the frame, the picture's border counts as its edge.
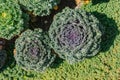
(3, 57)
(32, 52)
(11, 19)
(75, 34)
(39, 7)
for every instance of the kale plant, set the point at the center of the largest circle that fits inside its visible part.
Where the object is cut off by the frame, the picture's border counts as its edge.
(32, 51)
(39, 7)
(11, 19)
(75, 35)
(3, 57)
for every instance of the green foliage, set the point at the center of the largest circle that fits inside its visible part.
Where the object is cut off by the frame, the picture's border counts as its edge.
(11, 19)
(39, 7)
(75, 35)
(3, 57)
(16, 73)
(32, 53)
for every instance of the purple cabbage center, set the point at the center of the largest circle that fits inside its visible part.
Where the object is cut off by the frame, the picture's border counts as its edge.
(72, 35)
(34, 51)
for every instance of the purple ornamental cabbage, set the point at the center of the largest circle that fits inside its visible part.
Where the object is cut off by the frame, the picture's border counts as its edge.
(32, 51)
(75, 35)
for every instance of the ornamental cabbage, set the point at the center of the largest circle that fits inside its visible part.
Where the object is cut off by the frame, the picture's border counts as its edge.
(75, 35)
(11, 19)
(3, 57)
(32, 52)
(39, 7)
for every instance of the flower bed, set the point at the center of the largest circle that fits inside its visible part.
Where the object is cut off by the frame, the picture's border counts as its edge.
(105, 64)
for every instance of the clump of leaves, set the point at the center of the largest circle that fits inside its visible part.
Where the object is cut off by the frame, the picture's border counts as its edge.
(75, 35)
(39, 7)
(3, 57)
(11, 19)
(32, 51)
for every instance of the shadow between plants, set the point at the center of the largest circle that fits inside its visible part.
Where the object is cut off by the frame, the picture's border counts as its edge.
(56, 63)
(94, 2)
(10, 62)
(110, 31)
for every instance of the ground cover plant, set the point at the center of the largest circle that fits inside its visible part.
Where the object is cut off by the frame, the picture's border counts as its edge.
(103, 66)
